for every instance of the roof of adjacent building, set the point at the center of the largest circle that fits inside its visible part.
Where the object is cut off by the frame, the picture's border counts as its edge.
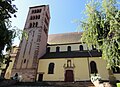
(65, 38)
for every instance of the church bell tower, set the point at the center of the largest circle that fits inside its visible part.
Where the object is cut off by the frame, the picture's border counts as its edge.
(34, 47)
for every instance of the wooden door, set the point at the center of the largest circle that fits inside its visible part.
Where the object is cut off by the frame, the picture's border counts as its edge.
(69, 76)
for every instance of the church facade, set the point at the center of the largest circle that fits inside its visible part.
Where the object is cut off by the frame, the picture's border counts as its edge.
(55, 57)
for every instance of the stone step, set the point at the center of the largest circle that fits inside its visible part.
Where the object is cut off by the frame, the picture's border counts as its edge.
(33, 86)
(51, 86)
(46, 84)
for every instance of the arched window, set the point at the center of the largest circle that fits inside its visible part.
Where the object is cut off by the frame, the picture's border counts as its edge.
(48, 49)
(51, 68)
(38, 16)
(32, 11)
(33, 17)
(93, 67)
(57, 49)
(33, 24)
(40, 10)
(69, 48)
(36, 24)
(24, 60)
(81, 47)
(35, 11)
(30, 25)
(68, 63)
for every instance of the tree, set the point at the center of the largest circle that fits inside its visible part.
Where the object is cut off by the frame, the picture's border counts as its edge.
(7, 9)
(102, 29)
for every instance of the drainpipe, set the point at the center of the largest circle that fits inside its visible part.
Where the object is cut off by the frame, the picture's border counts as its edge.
(88, 61)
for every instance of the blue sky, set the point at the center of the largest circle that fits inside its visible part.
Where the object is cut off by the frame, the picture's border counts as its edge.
(62, 12)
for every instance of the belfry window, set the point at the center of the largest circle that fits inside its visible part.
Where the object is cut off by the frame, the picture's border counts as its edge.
(51, 68)
(36, 24)
(33, 24)
(30, 25)
(93, 67)
(24, 60)
(81, 47)
(36, 11)
(38, 17)
(39, 11)
(33, 11)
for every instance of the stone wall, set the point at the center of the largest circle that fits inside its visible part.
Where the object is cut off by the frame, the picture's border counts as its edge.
(28, 75)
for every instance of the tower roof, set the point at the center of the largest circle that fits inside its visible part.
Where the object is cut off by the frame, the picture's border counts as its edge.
(39, 6)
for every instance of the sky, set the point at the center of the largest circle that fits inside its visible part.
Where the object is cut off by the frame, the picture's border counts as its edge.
(62, 12)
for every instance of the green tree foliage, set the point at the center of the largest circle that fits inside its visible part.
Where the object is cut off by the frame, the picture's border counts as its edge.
(7, 9)
(102, 29)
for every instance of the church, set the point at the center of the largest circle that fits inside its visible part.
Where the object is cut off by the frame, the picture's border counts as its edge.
(55, 57)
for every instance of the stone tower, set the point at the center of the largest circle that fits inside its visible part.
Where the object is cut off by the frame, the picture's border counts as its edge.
(31, 49)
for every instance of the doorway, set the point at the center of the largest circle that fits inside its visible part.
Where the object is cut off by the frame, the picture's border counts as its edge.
(40, 78)
(69, 76)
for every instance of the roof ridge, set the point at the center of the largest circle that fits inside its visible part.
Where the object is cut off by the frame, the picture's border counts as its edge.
(66, 33)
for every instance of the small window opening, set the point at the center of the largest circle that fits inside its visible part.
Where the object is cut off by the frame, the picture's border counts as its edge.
(24, 60)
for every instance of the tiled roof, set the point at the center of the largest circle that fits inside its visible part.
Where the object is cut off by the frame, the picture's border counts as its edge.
(64, 38)
(72, 54)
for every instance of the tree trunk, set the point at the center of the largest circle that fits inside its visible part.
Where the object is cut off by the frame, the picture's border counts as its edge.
(112, 78)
